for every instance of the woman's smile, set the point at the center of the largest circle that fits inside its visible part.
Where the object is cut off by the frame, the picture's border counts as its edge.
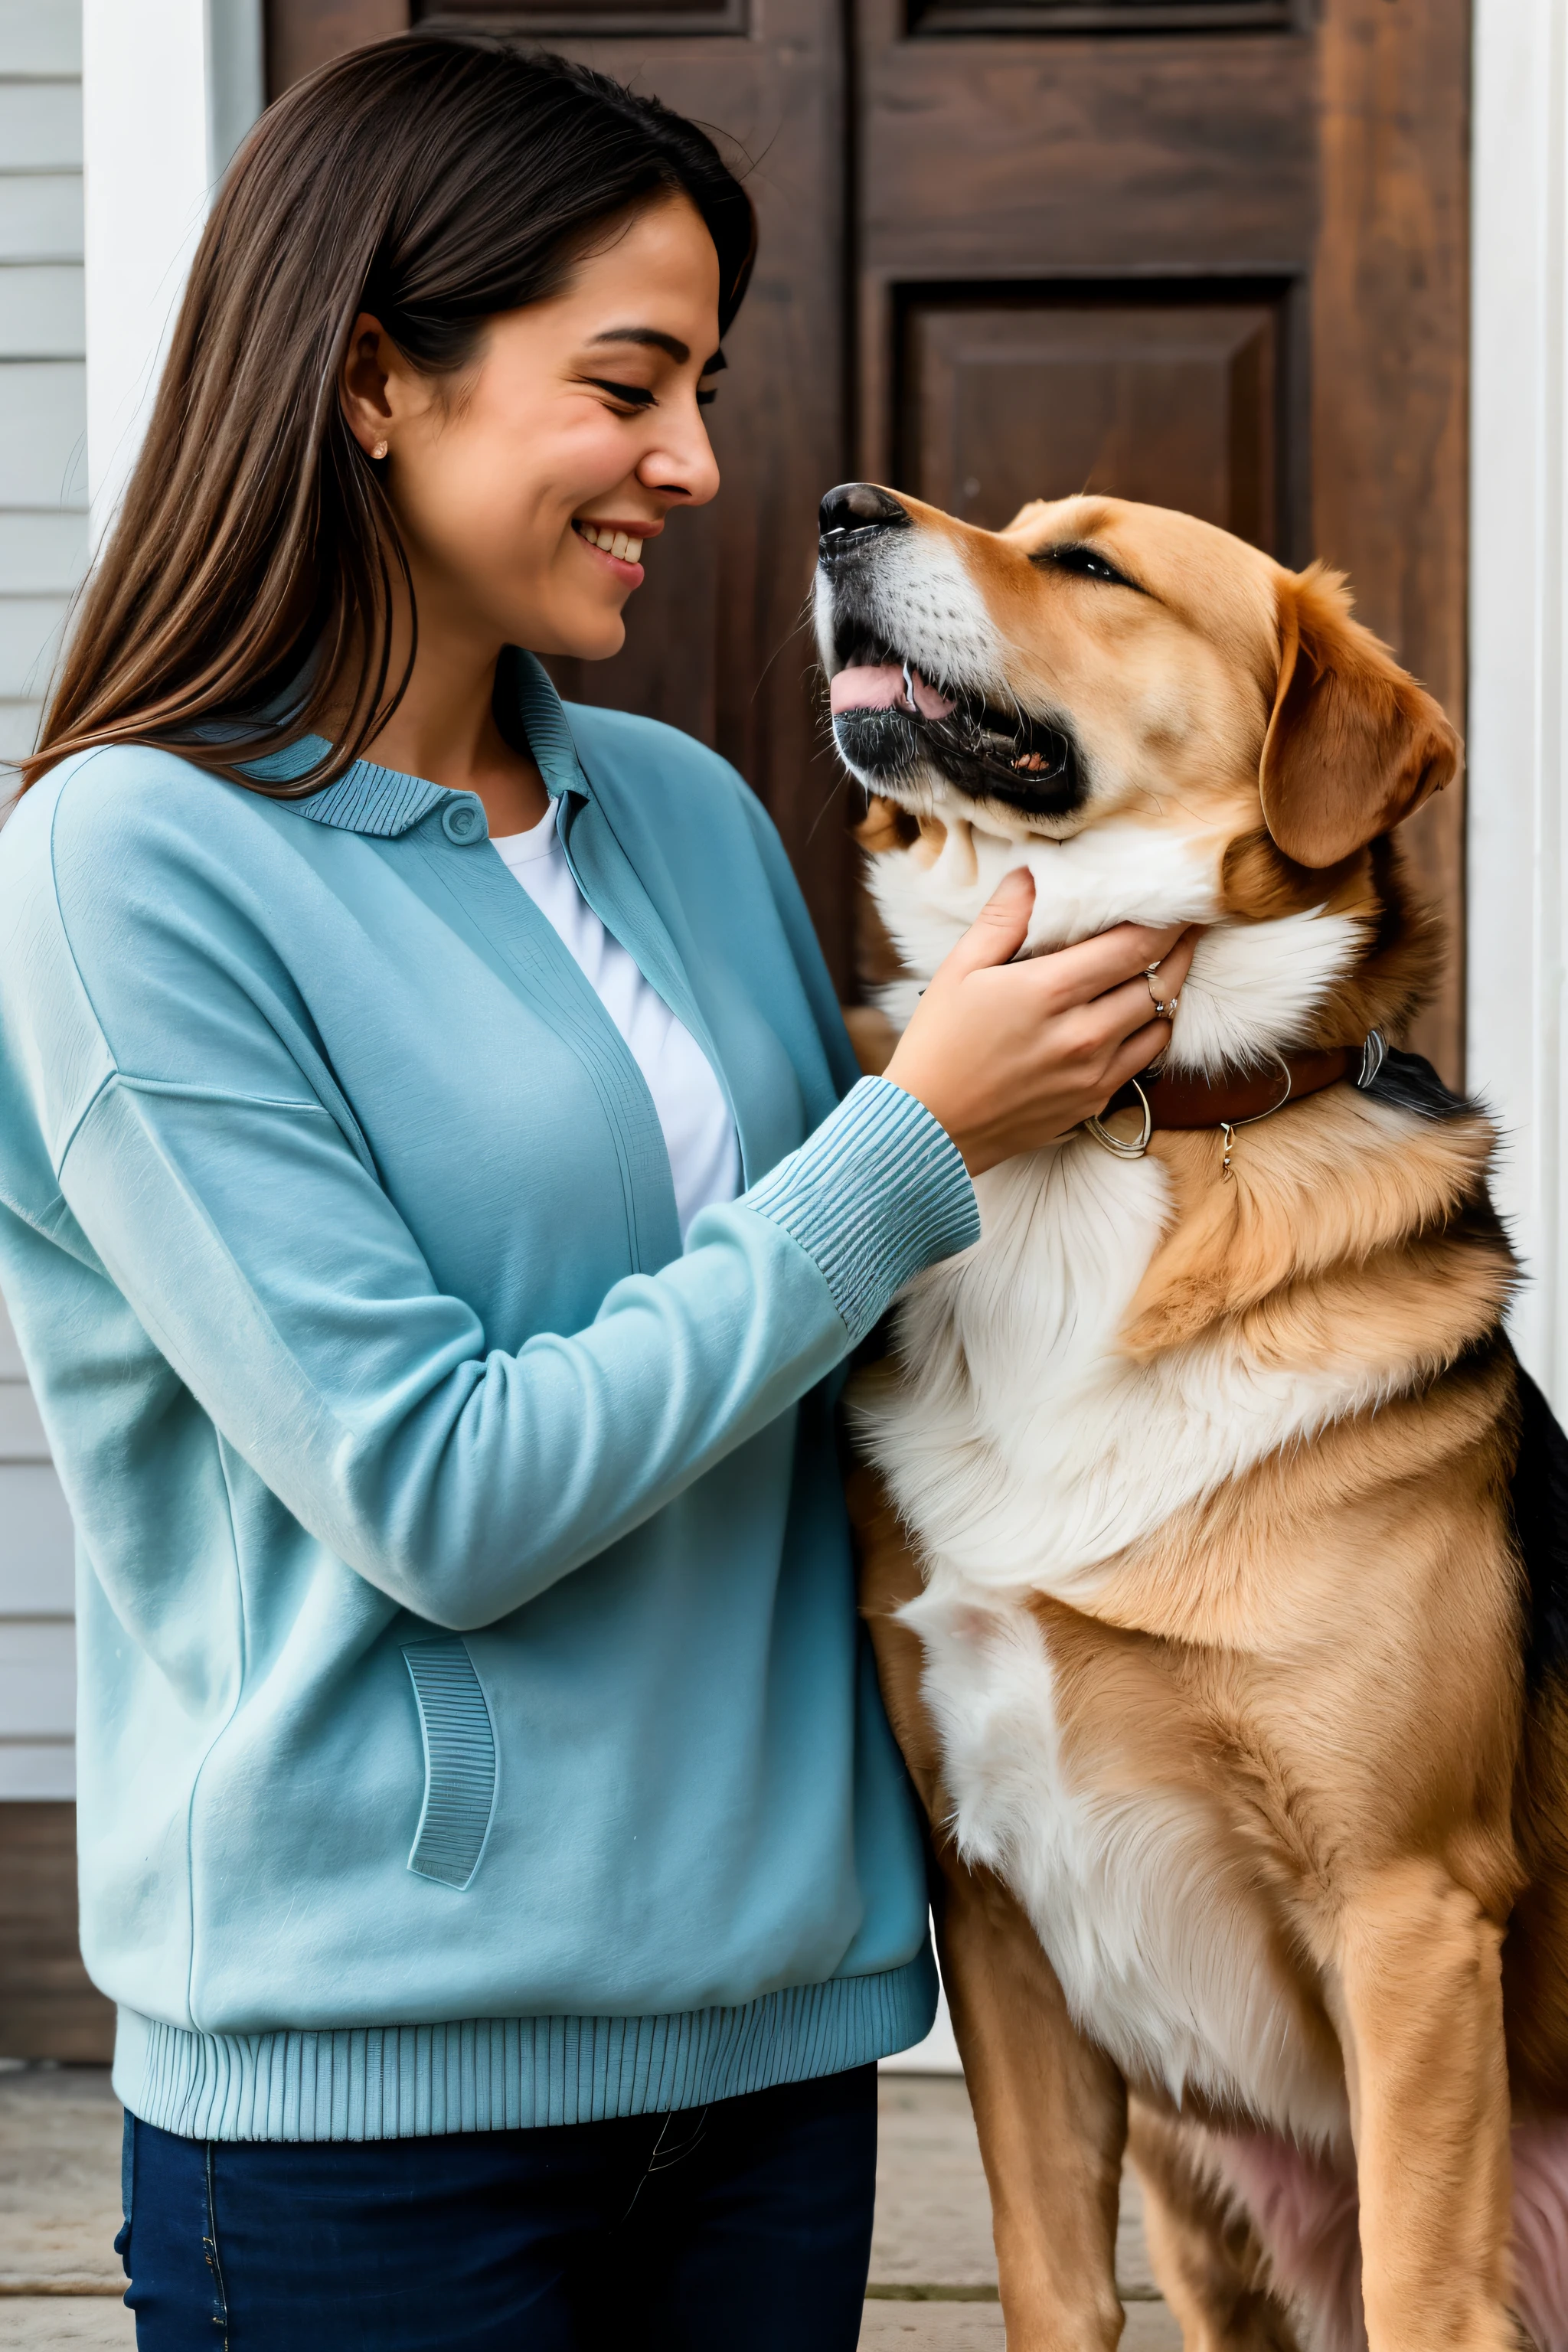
(619, 544)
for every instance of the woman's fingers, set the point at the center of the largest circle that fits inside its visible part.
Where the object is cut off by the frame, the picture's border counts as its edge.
(1077, 975)
(1135, 1054)
(999, 930)
(1009, 1056)
(1073, 975)
(1122, 1011)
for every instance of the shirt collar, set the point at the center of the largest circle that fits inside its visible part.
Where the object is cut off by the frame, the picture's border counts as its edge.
(368, 798)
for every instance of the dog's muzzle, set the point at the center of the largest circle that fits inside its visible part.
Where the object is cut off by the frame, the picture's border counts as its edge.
(989, 753)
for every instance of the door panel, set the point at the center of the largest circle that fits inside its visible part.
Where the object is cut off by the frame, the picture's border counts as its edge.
(1390, 412)
(1170, 402)
(1100, 15)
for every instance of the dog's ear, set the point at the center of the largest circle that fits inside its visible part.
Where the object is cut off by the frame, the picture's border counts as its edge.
(1354, 745)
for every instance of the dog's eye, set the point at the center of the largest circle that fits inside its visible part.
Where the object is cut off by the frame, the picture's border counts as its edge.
(1086, 562)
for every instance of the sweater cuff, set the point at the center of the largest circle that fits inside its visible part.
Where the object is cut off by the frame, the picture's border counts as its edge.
(878, 1193)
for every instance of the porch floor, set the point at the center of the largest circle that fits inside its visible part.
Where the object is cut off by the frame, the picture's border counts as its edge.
(933, 2277)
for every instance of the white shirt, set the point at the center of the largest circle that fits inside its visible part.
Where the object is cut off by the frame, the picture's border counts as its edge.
(698, 1133)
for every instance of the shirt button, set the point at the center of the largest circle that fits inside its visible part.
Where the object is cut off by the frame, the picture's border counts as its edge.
(463, 819)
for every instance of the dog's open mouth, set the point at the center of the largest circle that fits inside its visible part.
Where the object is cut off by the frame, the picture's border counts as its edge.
(887, 719)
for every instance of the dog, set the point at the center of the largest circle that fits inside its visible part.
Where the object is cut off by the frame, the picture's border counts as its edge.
(1211, 1533)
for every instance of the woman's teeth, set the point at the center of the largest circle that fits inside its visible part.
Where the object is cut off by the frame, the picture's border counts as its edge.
(614, 542)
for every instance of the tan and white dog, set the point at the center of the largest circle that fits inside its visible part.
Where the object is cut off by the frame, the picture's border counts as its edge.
(1212, 1534)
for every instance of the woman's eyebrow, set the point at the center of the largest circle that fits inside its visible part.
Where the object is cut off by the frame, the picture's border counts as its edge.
(650, 338)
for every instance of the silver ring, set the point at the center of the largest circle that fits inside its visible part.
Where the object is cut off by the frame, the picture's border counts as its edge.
(1108, 1142)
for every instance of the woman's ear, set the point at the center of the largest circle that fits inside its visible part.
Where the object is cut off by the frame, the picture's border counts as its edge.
(363, 383)
(1354, 745)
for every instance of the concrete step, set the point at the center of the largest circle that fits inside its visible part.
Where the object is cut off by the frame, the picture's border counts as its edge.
(38, 2322)
(977, 2327)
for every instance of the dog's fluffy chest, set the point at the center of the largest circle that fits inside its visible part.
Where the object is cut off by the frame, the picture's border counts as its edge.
(1029, 1450)
(1022, 1442)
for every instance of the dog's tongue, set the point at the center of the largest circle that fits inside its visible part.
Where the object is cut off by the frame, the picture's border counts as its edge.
(880, 687)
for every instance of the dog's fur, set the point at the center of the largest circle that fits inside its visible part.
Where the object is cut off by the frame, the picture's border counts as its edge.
(1210, 1532)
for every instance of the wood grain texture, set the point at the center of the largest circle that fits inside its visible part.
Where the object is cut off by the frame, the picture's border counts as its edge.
(1011, 157)
(1390, 380)
(47, 2007)
(582, 16)
(1160, 161)
(1045, 397)
(304, 34)
(938, 16)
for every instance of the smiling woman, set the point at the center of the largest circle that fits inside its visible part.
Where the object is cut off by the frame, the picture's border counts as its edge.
(525, 488)
(436, 1203)
(390, 219)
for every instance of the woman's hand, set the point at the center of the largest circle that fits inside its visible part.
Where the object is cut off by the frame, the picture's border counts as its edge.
(1010, 1055)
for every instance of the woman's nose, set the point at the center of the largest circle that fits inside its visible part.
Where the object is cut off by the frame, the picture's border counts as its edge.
(684, 468)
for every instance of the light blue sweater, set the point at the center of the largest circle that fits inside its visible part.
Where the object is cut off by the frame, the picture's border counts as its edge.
(474, 1730)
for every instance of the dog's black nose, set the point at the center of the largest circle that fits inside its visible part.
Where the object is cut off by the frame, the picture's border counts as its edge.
(852, 512)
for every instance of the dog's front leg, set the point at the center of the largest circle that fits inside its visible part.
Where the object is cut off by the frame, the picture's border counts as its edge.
(1420, 1988)
(1050, 2110)
(1051, 2115)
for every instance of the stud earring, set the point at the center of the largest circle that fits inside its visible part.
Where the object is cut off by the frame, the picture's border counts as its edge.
(379, 450)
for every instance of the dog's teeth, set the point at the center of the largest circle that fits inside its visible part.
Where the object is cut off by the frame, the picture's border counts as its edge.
(632, 551)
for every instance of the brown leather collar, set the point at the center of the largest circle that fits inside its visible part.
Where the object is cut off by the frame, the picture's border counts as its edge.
(1183, 1098)
(1188, 1099)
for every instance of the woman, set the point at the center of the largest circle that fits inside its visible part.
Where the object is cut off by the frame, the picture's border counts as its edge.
(434, 1286)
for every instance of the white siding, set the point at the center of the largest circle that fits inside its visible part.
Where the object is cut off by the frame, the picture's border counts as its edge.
(43, 551)
(36, 1664)
(43, 392)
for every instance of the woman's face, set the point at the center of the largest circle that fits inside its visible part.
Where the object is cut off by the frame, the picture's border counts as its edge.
(577, 422)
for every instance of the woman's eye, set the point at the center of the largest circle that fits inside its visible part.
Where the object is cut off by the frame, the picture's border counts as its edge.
(635, 395)
(707, 394)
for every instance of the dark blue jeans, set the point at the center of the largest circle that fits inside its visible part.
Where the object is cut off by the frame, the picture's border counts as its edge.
(741, 2226)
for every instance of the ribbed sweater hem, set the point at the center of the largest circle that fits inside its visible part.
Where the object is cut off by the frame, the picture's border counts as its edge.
(508, 2073)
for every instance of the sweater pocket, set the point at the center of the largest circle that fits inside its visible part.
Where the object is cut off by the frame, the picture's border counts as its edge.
(459, 1761)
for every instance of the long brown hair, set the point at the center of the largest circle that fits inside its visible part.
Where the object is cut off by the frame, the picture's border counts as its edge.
(435, 181)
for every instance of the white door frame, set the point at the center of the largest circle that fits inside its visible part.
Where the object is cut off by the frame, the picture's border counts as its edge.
(169, 89)
(1518, 882)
